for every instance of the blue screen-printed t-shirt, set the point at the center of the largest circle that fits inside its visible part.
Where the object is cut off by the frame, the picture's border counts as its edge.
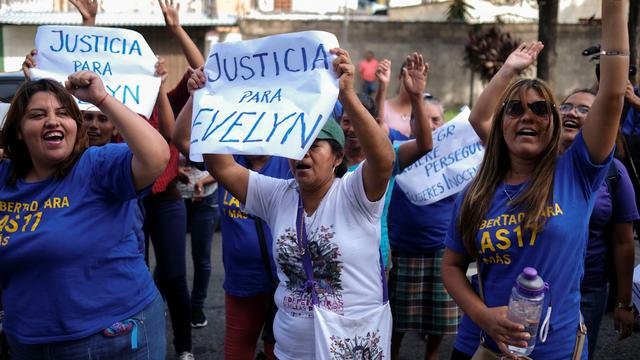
(244, 270)
(616, 208)
(557, 252)
(71, 263)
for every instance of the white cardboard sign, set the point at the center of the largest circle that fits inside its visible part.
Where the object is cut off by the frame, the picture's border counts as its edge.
(265, 96)
(122, 58)
(448, 168)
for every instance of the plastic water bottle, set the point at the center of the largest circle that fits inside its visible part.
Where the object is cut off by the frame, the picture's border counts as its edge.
(525, 306)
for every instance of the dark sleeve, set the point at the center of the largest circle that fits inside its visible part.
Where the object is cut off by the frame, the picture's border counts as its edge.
(179, 95)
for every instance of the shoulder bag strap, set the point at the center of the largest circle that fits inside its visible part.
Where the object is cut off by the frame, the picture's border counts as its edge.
(264, 252)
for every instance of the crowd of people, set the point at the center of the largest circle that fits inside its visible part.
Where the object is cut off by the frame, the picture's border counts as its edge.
(324, 257)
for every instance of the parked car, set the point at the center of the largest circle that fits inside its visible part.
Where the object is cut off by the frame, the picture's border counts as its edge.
(9, 83)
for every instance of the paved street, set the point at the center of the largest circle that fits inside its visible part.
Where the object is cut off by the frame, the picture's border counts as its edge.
(208, 341)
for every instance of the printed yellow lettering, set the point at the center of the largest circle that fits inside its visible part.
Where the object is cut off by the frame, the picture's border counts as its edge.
(534, 235)
(3, 206)
(512, 220)
(505, 242)
(37, 222)
(483, 224)
(11, 227)
(10, 206)
(518, 231)
(47, 204)
(4, 240)
(65, 201)
(3, 221)
(507, 259)
(486, 242)
(558, 210)
(520, 217)
(234, 202)
(56, 202)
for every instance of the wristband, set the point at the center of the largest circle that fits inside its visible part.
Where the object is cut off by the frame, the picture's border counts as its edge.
(613, 53)
(101, 100)
(627, 307)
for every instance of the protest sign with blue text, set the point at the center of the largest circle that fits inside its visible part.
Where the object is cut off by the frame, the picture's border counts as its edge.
(121, 57)
(448, 168)
(265, 96)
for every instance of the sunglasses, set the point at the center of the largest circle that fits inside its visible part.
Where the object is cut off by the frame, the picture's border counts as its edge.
(515, 108)
(567, 107)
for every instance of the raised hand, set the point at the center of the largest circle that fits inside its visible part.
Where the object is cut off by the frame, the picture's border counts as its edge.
(29, 62)
(414, 75)
(383, 72)
(522, 57)
(170, 13)
(344, 68)
(197, 80)
(88, 9)
(161, 70)
(86, 86)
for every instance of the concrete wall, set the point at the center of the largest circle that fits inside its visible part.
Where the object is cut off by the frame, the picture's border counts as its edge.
(443, 45)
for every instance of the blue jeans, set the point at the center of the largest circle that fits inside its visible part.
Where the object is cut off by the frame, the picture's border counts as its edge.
(202, 221)
(150, 336)
(166, 224)
(593, 301)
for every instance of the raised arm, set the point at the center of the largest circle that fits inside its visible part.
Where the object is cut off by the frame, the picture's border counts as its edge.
(601, 126)
(482, 112)
(88, 9)
(166, 119)
(150, 150)
(415, 81)
(383, 74)
(375, 144)
(224, 168)
(172, 20)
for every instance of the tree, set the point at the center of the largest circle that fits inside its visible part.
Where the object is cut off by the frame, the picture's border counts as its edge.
(458, 11)
(486, 51)
(547, 33)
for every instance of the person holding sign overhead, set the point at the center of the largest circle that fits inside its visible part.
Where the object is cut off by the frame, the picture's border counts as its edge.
(529, 206)
(326, 231)
(87, 296)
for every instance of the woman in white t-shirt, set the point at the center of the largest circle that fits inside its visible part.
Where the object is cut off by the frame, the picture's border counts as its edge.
(341, 216)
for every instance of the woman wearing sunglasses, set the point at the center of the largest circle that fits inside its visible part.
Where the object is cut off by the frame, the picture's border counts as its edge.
(529, 206)
(610, 232)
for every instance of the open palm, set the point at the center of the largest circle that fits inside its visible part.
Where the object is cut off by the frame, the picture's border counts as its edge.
(415, 74)
(525, 55)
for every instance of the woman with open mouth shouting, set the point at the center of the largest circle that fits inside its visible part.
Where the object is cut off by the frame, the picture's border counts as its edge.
(75, 284)
(529, 206)
(326, 231)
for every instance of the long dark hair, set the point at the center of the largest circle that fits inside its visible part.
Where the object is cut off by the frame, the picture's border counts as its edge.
(496, 163)
(16, 149)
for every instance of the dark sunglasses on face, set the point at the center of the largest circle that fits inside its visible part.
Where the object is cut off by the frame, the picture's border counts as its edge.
(567, 107)
(516, 108)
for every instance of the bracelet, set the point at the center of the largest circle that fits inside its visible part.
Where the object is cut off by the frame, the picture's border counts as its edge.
(627, 307)
(613, 53)
(101, 100)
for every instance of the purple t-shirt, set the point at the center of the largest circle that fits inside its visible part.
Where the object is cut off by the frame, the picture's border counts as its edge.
(608, 209)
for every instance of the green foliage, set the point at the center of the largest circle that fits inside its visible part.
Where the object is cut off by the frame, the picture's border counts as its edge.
(458, 11)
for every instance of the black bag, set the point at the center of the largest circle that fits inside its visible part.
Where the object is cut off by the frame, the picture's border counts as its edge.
(267, 329)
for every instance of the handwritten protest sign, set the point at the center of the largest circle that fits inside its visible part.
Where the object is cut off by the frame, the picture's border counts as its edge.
(121, 57)
(448, 168)
(265, 96)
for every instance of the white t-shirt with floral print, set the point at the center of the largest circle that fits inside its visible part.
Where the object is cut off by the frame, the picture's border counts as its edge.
(344, 237)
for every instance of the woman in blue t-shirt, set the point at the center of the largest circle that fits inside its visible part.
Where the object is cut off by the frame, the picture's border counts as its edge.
(530, 207)
(610, 232)
(67, 294)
